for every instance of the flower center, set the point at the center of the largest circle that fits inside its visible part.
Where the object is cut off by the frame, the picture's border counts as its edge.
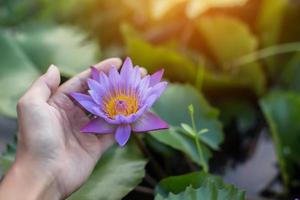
(121, 105)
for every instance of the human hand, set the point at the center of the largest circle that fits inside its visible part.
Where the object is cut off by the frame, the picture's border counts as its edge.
(53, 158)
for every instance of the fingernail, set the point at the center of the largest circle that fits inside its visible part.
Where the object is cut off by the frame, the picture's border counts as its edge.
(50, 70)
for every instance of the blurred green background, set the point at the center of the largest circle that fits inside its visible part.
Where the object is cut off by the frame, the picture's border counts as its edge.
(237, 61)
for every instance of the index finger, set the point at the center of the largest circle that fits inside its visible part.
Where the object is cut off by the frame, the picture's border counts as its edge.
(78, 82)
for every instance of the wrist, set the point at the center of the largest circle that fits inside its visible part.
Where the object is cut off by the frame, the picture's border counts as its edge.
(26, 181)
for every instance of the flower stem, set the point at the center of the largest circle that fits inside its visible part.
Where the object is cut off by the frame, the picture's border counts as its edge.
(197, 140)
(191, 109)
(200, 152)
(266, 52)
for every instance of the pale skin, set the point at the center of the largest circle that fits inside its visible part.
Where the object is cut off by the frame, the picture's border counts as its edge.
(53, 157)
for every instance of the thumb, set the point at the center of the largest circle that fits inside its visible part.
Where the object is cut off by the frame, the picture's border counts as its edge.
(44, 86)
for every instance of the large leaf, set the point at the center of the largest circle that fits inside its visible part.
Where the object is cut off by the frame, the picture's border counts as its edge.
(118, 172)
(210, 192)
(16, 73)
(282, 111)
(64, 46)
(26, 55)
(173, 107)
(181, 68)
(177, 66)
(197, 185)
(182, 142)
(227, 37)
(14, 12)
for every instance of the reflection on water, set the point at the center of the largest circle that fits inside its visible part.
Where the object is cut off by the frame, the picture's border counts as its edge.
(258, 171)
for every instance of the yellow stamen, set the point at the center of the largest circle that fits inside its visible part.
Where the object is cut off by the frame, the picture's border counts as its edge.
(121, 104)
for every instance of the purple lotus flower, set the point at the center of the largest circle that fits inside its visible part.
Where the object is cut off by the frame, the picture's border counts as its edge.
(120, 102)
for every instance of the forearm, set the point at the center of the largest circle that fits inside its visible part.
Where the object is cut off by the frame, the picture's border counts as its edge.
(27, 183)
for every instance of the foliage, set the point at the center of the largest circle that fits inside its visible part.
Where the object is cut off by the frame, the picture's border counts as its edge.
(225, 58)
(282, 110)
(64, 46)
(222, 32)
(28, 53)
(117, 173)
(162, 57)
(15, 68)
(197, 185)
(205, 118)
(208, 192)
